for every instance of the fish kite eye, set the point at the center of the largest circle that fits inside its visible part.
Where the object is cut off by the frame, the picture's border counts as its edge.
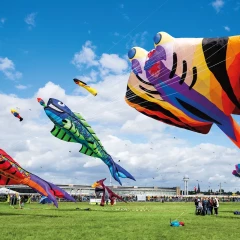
(132, 53)
(61, 104)
(157, 38)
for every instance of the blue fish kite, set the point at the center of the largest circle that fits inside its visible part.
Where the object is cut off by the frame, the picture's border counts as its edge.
(72, 127)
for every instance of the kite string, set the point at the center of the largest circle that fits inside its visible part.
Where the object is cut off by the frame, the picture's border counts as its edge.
(164, 74)
(133, 96)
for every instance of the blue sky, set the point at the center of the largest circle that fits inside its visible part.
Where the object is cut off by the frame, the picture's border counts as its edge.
(40, 39)
(42, 50)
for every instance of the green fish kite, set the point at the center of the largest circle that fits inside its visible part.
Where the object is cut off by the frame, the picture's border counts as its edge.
(72, 127)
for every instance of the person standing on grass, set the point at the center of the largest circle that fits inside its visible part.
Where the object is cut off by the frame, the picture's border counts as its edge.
(204, 204)
(210, 206)
(216, 206)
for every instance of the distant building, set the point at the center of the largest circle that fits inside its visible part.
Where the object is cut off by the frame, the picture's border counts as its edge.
(121, 190)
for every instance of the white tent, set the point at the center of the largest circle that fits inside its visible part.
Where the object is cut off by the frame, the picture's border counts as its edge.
(7, 191)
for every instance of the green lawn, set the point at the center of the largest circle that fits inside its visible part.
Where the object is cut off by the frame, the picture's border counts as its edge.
(123, 221)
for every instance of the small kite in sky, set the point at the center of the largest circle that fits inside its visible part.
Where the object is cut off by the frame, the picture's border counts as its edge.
(84, 85)
(16, 114)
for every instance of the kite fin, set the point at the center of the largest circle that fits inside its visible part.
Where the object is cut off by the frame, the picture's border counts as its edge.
(61, 134)
(117, 171)
(88, 151)
(231, 128)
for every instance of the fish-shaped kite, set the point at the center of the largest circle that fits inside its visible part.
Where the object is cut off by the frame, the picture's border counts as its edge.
(16, 114)
(84, 85)
(197, 81)
(107, 193)
(11, 173)
(72, 127)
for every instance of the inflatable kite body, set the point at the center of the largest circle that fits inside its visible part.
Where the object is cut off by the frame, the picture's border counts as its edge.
(84, 85)
(176, 224)
(72, 127)
(16, 114)
(236, 172)
(188, 82)
(107, 193)
(11, 173)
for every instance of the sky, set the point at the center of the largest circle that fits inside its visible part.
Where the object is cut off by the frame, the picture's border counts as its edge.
(45, 44)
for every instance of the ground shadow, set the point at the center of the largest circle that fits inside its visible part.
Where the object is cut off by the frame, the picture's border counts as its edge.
(22, 214)
(229, 217)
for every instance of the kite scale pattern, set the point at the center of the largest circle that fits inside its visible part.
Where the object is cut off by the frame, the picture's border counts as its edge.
(72, 127)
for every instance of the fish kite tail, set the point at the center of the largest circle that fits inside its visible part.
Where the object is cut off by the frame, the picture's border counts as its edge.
(58, 192)
(118, 197)
(232, 130)
(20, 118)
(42, 187)
(117, 171)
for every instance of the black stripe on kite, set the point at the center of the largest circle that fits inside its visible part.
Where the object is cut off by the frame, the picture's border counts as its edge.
(8, 180)
(63, 135)
(141, 80)
(150, 105)
(184, 73)
(7, 168)
(174, 67)
(53, 129)
(197, 112)
(215, 53)
(58, 132)
(194, 78)
(148, 91)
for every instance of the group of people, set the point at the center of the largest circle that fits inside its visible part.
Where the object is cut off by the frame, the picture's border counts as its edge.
(206, 206)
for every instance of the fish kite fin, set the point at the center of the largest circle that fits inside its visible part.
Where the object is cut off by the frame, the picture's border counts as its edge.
(61, 134)
(88, 152)
(117, 171)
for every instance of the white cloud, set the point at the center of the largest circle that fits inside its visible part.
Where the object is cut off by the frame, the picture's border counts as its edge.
(30, 20)
(113, 62)
(7, 67)
(145, 147)
(105, 63)
(85, 57)
(139, 39)
(218, 5)
(227, 28)
(116, 34)
(21, 87)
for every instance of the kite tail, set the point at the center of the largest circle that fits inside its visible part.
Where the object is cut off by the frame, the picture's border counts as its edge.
(47, 189)
(117, 171)
(58, 192)
(231, 128)
(20, 119)
(118, 197)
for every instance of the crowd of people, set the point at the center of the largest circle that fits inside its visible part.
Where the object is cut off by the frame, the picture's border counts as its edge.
(205, 206)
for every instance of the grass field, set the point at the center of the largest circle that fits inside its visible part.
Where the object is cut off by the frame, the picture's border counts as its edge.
(122, 221)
